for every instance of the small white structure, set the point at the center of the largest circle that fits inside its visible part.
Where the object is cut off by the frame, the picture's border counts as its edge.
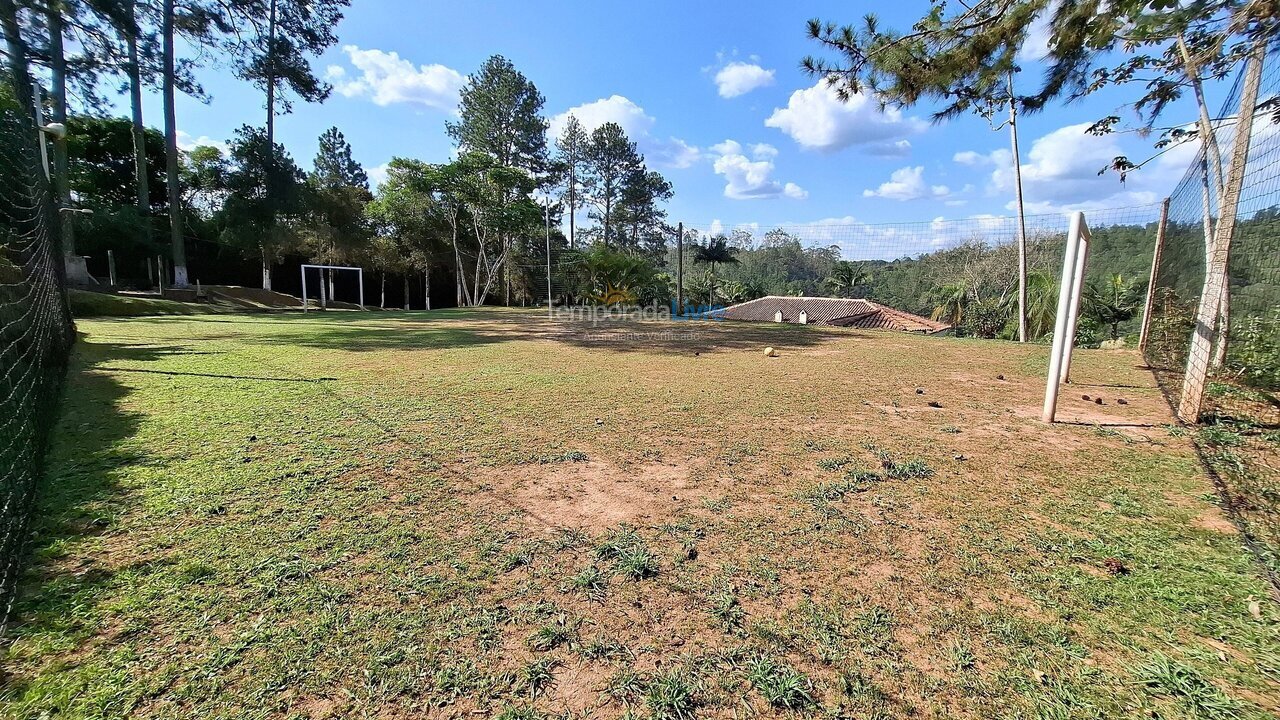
(804, 318)
(1064, 329)
(324, 299)
(777, 317)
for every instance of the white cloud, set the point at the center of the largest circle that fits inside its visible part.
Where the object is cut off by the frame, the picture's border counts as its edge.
(671, 152)
(1036, 46)
(188, 143)
(377, 174)
(1060, 174)
(817, 119)
(894, 149)
(793, 190)
(907, 184)
(738, 78)
(751, 177)
(386, 78)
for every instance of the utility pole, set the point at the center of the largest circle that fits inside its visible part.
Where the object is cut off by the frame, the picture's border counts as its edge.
(1022, 220)
(547, 215)
(680, 268)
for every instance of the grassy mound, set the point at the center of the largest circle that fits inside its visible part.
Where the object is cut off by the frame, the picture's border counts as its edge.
(92, 304)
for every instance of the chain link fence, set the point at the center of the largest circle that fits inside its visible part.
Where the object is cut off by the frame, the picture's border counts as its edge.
(1247, 340)
(35, 330)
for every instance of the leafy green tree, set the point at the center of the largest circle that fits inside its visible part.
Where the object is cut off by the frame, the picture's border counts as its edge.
(334, 164)
(204, 180)
(716, 251)
(571, 148)
(266, 199)
(102, 178)
(411, 215)
(611, 163)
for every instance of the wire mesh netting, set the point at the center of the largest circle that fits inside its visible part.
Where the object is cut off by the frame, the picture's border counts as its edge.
(35, 331)
(969, 265)
(1247, 345)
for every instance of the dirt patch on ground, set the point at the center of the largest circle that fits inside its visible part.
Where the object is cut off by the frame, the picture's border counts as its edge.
(1217, 522)
(594, 495)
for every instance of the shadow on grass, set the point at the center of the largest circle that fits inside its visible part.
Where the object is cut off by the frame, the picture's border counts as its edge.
(76, 498)
(216, 375)
(474, 327)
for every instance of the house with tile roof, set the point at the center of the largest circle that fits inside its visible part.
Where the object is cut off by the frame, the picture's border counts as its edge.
(840, 312)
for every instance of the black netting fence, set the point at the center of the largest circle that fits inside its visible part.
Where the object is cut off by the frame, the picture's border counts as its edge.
(35, 329)
(1246, 342)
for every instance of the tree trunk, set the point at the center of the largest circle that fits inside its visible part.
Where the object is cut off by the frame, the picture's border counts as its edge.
(58, 88)
(573, 201)
(1211, 295)
(171, 152)
(271, 76)
(608, 208)
(141, 181)
(329, 274)
(382, 303)
(16, 49)
(1022, 218)
(1212, 154)
(406, 291)
(426, 287)
(266, 270)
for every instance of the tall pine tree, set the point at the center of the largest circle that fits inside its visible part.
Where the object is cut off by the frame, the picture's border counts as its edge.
(571, 148)
(500, 114)
(611, 160)
(334, 164)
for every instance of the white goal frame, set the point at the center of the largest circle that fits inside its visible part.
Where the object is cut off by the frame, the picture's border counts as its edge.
(324, 300)
(1065, 322)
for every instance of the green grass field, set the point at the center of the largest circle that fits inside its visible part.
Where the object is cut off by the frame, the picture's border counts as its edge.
(485, 513)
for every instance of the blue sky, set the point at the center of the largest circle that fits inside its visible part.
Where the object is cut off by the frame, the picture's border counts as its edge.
(714, 97)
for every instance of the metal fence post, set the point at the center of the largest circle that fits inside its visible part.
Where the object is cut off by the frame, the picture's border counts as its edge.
(1145, 333)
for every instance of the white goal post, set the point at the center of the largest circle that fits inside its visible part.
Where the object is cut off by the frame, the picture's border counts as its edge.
(1064, 330)
(324, 299)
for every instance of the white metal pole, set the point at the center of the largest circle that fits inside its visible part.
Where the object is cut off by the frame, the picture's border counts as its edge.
(1077, 289)
(548, 219)
(360, 277)
(304, 288)
(1060, 321)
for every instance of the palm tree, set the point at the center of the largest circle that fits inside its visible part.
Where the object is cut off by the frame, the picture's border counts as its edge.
(951, 302)
(716, 250)
(1042, 305)
(846, 276)
(1112, 302)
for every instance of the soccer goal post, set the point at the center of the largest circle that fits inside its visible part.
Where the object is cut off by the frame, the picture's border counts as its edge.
(324, 294)
(1075, 259)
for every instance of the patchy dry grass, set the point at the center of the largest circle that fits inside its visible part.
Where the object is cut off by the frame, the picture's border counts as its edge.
(482, 513)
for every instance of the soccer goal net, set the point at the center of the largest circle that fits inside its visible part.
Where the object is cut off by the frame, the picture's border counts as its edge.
(325, 280)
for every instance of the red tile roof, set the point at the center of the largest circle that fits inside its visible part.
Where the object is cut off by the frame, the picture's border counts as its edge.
(844, 312)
